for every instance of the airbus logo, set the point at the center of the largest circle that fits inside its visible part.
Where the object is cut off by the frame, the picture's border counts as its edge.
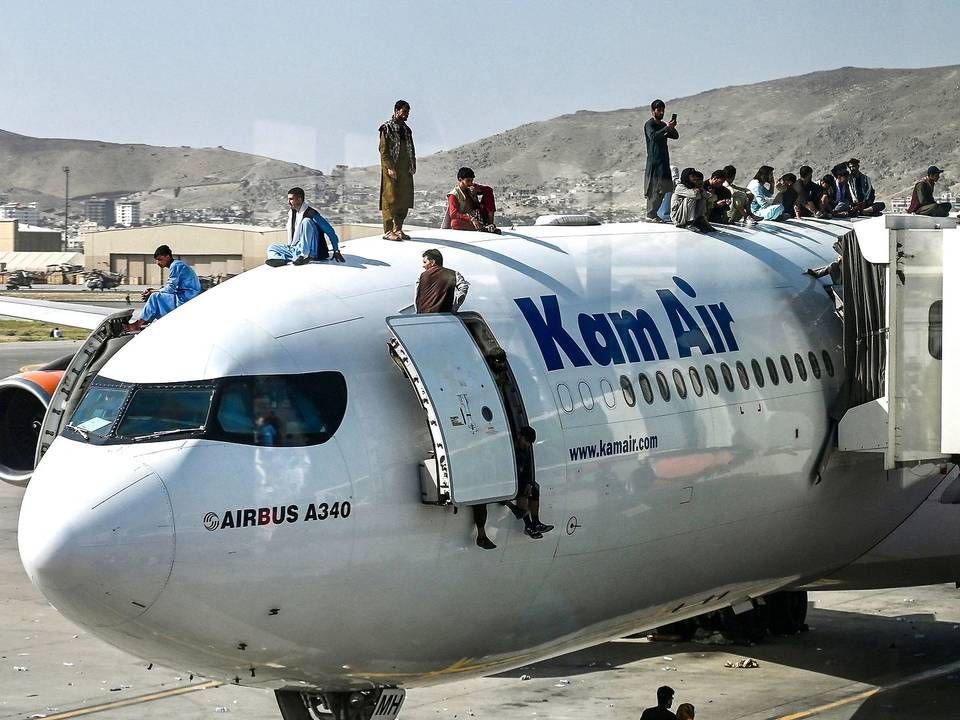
(629, 335)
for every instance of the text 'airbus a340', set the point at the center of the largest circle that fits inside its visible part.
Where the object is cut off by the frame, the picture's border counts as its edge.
(710, 433)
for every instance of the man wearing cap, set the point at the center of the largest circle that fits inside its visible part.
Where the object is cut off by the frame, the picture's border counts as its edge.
(923, 202)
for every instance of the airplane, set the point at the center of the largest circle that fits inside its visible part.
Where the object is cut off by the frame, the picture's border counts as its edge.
(680, 386)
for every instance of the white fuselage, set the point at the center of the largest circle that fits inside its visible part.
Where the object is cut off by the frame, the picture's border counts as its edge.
(721, 507)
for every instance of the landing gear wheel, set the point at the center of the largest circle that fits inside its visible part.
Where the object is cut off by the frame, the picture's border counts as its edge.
(354, 705)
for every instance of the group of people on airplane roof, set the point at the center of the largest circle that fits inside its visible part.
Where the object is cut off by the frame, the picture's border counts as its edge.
(688, 200)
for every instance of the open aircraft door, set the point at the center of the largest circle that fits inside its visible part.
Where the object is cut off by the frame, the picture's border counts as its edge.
(474, 460)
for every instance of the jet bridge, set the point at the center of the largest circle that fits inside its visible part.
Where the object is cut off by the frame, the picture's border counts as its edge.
(901, 289)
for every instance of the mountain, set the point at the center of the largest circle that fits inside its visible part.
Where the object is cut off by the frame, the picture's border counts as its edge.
(896, 121)
(31, 169)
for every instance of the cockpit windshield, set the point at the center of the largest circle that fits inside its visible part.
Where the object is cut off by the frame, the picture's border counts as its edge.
(275, 410)
(97, 413)
(164, 411)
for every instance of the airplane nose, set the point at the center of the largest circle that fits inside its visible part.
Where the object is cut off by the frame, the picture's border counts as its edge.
(99, 544)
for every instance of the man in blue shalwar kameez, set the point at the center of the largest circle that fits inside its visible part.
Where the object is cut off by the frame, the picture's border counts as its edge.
(182, 285)
(307, 231)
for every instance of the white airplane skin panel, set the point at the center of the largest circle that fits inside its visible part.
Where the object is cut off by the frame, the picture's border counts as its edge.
(682, 505)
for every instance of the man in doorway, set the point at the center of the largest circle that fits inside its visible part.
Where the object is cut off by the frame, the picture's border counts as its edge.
(656, 132)
(182, 285)
(398, 165)
(439, 289)
(307, 232)
(662, 710)
(923, 202)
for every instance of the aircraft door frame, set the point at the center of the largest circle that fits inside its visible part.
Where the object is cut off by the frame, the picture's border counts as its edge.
(469, 425)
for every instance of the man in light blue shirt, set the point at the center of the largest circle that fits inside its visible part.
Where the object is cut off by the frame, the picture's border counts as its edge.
(307, 231)
(182, 285)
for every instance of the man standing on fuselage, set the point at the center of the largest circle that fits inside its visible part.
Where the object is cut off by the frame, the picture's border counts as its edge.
(658, 178)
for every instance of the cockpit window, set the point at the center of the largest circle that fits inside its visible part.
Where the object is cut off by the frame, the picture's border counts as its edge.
(284, 410)
(156, 411)
(98, 411)
(276, 410)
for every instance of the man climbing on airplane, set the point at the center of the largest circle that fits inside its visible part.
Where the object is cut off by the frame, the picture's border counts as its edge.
(439, 289)
(307, 231)
(658, 178)
(527, 506)
(182, 285)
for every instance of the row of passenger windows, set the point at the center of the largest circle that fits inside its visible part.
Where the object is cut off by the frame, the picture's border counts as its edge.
(759, 373)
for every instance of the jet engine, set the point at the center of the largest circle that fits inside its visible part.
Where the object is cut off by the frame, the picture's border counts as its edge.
(23, 403)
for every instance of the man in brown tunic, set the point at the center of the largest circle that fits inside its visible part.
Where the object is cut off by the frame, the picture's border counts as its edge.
(439, 289)
(398, 165)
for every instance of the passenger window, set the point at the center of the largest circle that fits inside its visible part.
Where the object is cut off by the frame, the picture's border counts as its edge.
(159, 411)
(757, 372)
(828, 363)
(727, 376)
(282, 410)
(695, 381)
(664, 386)
(772, 371)
(787, 370)
(609, 397)
(801, 367)
(566, 398)
(814, 364)
(586, 395)
(712, 379)
(646, 389)
(680, 384)
(935, 330)
(629, 396)
(744, 378)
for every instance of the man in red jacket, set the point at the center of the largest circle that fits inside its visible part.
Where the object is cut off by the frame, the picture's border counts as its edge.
(470, 205)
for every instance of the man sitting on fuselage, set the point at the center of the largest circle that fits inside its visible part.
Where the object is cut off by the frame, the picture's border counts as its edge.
(307, 231)
(470, 205)
(182, 285)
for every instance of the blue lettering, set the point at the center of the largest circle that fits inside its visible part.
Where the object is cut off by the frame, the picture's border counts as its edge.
(725, 320)
(549, 332)
(592, 326)
(685, 329)
(645, 334)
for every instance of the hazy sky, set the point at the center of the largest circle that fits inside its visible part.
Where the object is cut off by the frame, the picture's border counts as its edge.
(311, 82)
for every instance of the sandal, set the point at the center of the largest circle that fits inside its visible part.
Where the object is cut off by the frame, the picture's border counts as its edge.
(391, 236)
(404, 236)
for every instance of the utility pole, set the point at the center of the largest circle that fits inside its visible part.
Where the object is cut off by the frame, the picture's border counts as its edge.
(66, 203)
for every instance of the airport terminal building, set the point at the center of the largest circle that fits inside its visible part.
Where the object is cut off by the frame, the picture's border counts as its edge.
(212, 249)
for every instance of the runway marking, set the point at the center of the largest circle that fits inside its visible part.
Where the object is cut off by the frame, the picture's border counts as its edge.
(139, 699)
(911, 680)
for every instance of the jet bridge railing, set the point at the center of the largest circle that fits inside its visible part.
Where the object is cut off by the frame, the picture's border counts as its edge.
(901, 277)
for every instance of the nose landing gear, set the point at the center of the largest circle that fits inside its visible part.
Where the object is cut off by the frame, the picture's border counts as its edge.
(379, 704)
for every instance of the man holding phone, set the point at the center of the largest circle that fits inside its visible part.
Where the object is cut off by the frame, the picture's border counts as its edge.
(658, 178)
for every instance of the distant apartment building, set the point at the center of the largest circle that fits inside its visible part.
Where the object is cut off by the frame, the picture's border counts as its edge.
(128, 213)
(102, 211)
(26, 213)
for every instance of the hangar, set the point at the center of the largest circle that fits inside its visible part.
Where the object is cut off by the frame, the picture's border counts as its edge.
(212, 249)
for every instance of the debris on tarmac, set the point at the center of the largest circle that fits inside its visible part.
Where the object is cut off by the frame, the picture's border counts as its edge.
(742, 663)
(525, 677)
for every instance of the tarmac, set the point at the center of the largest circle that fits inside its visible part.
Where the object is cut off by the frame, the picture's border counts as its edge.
(870, 655)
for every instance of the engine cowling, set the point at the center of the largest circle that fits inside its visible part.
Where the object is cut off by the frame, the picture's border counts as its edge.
(23, 403)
